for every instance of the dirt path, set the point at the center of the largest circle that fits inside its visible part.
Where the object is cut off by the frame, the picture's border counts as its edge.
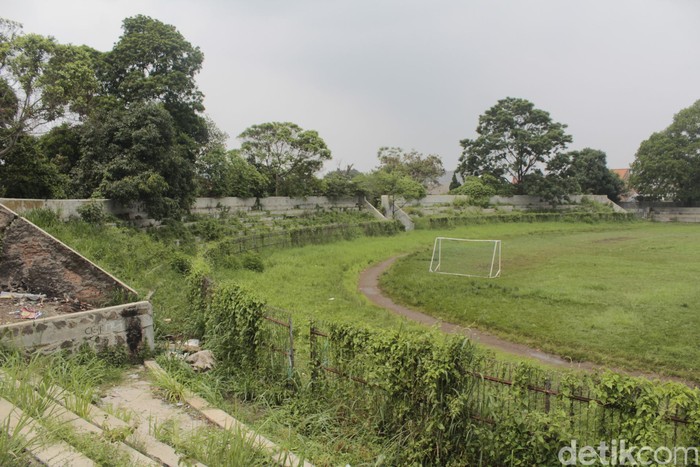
(369, 286)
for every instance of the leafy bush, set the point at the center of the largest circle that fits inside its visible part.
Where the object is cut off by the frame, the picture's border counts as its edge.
(181, 263)
(477, 191)
(224, 254)
(199, 293)
(232, 327)
(93, 213)
(253, 262)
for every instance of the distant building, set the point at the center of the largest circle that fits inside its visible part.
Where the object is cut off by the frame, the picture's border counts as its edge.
(630, 192)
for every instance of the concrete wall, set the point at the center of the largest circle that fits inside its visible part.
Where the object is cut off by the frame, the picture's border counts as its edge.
(33, 260)
(67, 208)
(674, 214)
(129, 325)
(517, 202)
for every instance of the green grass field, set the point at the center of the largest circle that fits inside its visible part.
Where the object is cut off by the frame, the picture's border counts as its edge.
(621, 295)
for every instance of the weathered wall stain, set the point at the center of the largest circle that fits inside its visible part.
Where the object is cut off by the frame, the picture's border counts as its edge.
(130, 324)
(33, 260)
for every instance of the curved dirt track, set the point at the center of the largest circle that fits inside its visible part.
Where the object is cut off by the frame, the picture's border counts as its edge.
(369, 286)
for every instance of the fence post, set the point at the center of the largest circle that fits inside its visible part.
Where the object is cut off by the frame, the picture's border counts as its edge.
(547, 387)
(291, 349)
(313, 354)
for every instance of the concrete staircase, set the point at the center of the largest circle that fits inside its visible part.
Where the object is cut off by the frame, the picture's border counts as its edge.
(132, 442)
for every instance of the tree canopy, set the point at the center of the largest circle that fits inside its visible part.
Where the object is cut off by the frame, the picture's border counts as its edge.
(40, 81)
(425, 170)
(667, 165)
(588, 167)
(153, 61)
(514, 138)
(286, 154)
(134, 155)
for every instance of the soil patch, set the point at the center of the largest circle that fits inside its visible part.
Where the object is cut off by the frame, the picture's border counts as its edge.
(22, 307)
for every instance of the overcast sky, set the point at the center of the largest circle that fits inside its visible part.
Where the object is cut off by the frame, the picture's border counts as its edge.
(417, 74)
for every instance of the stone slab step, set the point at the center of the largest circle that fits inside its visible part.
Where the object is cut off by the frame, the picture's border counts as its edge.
(54, 453)
(163, 454)
(80, 426)
(227, 422)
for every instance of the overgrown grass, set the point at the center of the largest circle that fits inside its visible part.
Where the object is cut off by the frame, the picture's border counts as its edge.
(212, 446)
(31, 383)
(134, 257)
(623, 297)
(14, 446)
(611, 292)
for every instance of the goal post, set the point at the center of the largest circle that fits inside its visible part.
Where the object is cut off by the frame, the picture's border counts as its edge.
(466, 257)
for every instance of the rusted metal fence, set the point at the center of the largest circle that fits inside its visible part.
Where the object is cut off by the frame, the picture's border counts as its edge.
(277, 335)
(499, 389)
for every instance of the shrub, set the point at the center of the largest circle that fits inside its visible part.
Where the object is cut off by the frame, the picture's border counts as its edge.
(181, 263)
(253, 262)
(92, 213)
(478, 192)
(232, 328)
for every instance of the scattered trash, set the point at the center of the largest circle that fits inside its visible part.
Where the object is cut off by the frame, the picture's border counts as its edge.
(29, 313)
(331, 299)
(201, 361)
(29, 296)
(192, 345)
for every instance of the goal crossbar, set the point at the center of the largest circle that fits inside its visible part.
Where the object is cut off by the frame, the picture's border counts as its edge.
(488, 263)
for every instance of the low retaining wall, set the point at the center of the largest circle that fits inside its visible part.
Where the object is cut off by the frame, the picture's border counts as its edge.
(67, 208)
(129, 325)
(674, 214)
(524, 202)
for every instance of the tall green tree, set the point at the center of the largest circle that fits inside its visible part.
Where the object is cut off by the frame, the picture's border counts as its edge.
(514, 139)
(287, 155)
(588, 167)
(395, 185)
(40, 82)
(667, 165)
(153, 62)
(134, 155)
(27, 173)
(225, 173)
(425, 170)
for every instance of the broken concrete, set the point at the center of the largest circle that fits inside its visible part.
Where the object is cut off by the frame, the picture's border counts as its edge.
(31, 260)
(34, 261)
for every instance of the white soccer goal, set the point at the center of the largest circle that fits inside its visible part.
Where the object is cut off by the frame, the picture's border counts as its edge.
(466, 257)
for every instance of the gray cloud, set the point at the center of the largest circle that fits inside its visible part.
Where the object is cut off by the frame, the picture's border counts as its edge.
(418, 74)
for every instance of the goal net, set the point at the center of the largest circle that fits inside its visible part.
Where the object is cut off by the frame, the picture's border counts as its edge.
(465, 257)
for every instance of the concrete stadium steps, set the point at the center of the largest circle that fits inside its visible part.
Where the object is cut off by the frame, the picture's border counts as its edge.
(98, 422)
(55, 453)
(670, 214)
(138, 446)
(225, 421)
